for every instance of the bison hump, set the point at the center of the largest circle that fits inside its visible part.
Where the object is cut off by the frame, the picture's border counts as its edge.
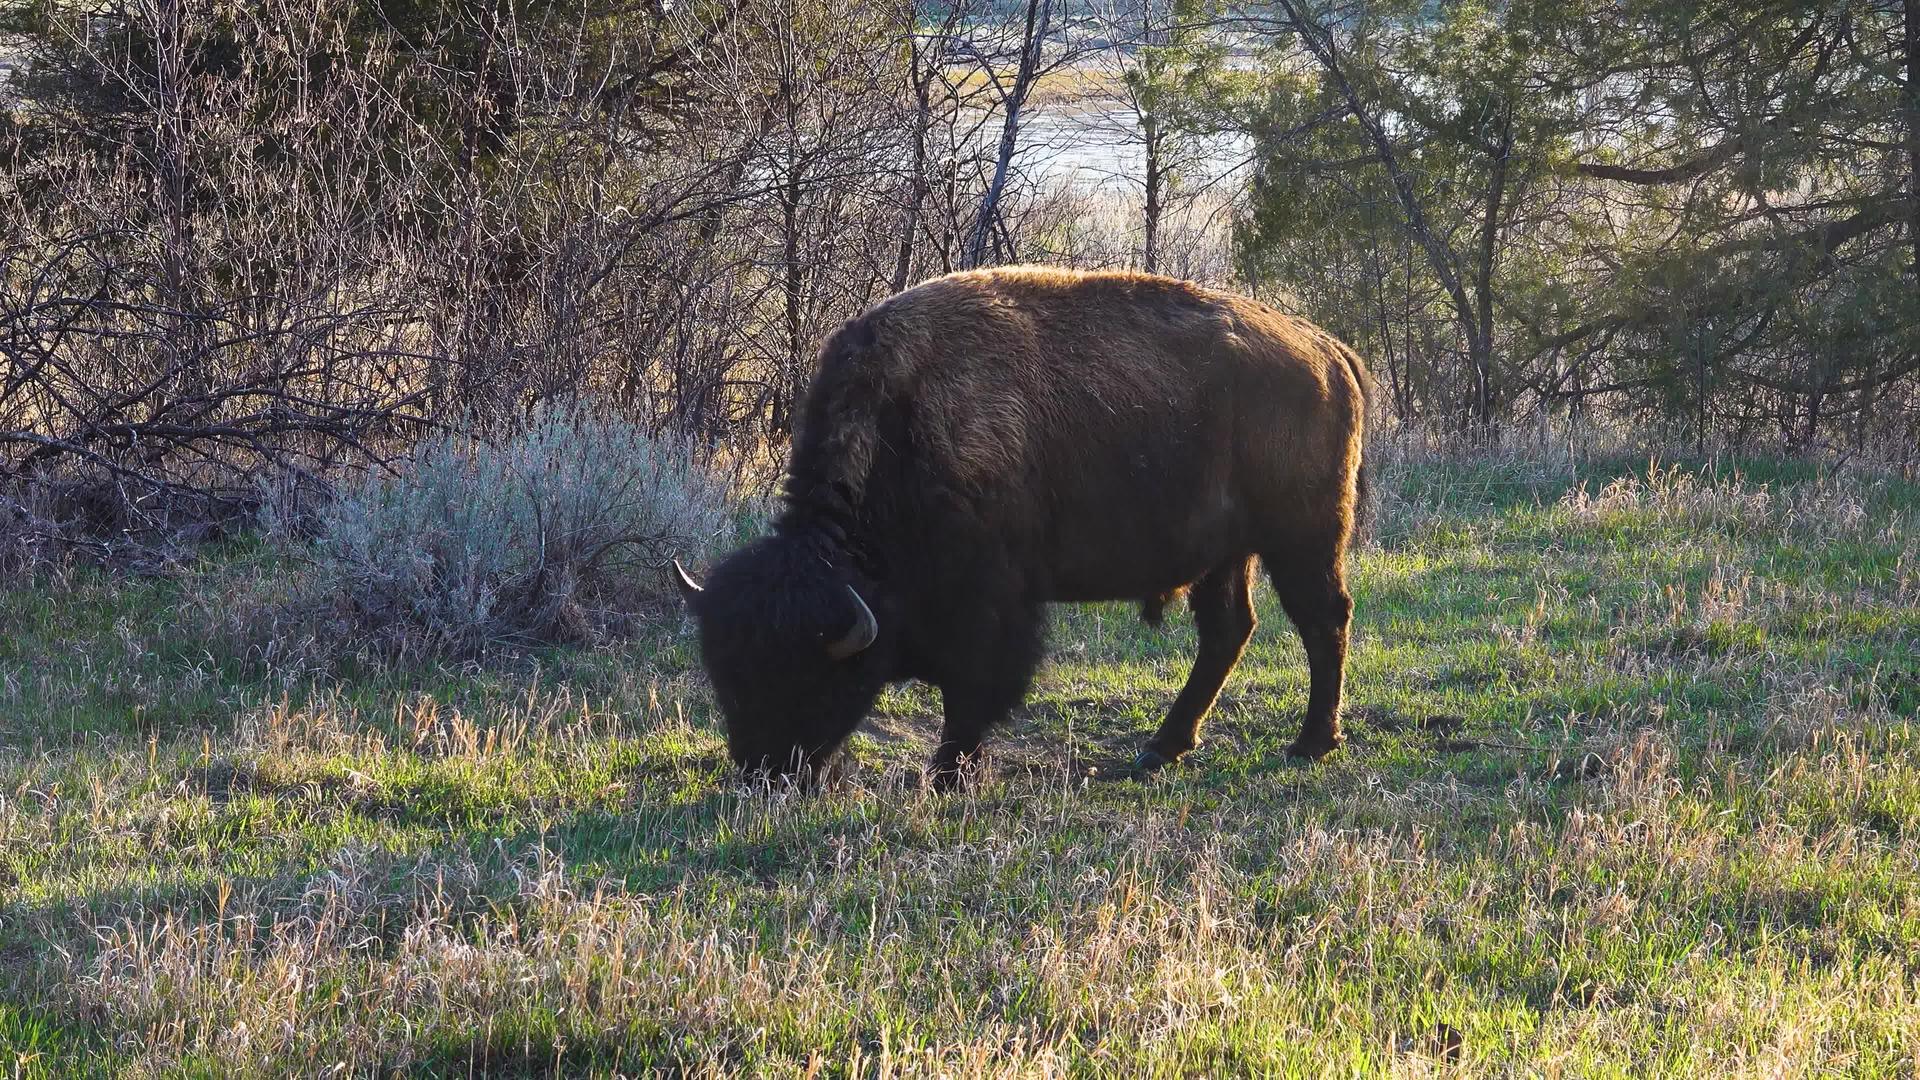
(973, 432)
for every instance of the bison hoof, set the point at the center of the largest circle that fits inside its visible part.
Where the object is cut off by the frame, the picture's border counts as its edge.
(1313, 749)
(950, 777)
(1150, 761)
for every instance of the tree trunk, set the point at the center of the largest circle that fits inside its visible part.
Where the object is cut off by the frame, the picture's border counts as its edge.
(1038, 14)
(1501, 152)
(1444, 260)
(917, 177)
(793, 280)
(1912, 8)
(792, 284)
(1156, 179)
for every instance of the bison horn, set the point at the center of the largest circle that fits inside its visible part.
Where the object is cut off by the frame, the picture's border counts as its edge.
(865, 630)
(687, 585)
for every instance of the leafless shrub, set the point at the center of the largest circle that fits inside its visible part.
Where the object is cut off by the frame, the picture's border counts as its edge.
(85, 518)
(27, 537)
(278, 240)
(271, 244)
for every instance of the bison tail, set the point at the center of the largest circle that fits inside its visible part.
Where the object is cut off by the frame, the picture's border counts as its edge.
(1362, 504)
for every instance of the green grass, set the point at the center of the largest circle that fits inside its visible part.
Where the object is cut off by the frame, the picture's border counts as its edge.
(1632, 788)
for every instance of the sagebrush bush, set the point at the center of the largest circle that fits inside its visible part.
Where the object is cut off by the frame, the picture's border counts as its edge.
(555, 534)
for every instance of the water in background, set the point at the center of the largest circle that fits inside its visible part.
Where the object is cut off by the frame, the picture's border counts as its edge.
(1097, 147)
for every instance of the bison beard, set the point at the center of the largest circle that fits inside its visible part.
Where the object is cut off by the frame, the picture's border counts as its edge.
(992, 441)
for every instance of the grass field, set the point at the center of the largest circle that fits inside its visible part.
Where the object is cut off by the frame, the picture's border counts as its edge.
(1632, 788)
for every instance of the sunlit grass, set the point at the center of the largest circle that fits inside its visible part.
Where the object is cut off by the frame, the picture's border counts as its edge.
(1632, 788)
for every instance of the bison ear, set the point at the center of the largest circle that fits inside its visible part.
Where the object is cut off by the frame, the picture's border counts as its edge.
(689, 588)
(865, 629)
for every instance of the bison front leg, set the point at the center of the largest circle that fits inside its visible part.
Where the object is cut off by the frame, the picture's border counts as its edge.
(1222, 604)
(980, 693)
(970, 710)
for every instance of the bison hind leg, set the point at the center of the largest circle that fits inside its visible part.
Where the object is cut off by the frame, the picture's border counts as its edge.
(1153, 609)
(1222, 603)
(1311, 583)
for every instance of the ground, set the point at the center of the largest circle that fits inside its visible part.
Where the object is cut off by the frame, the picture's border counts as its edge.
(1631, 789)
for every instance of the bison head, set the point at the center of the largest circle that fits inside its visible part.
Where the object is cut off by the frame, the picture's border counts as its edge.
(794, 652)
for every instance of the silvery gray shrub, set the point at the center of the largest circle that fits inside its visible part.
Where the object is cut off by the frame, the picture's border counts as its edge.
(556, 533)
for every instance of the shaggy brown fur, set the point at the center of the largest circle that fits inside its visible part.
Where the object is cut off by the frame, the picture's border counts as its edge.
(995, 440)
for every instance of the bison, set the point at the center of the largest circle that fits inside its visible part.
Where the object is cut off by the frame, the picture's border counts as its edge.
(991, 441)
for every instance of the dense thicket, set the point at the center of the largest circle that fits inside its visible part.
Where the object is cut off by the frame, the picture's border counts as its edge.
(268, 237)
(279, 235)
(1698, 214)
